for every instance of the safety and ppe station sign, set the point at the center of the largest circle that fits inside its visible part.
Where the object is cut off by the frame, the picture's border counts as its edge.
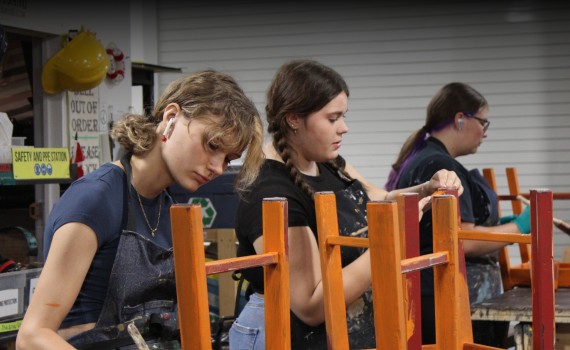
(30, 163)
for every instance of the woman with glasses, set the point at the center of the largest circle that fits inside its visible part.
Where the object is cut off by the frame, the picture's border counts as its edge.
(456, 124)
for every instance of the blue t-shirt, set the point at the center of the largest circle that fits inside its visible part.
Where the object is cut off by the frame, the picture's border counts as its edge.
(99, 200)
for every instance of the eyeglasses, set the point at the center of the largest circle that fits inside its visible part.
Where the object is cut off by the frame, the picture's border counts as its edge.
(484, 122)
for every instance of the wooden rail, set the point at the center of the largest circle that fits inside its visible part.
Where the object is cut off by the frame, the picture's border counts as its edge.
(395, 326)
(191, 270)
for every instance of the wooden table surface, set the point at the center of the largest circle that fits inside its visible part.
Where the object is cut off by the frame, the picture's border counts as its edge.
(516, 305)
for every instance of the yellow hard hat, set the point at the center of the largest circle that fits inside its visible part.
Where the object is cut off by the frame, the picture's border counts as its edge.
(80, 65)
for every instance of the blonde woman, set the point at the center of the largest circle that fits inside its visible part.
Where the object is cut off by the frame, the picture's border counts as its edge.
(108, 239)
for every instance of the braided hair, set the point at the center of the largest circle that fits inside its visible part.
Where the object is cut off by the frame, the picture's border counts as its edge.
(300, 87)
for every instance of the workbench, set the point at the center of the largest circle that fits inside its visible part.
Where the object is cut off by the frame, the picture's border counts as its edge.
(515, 305)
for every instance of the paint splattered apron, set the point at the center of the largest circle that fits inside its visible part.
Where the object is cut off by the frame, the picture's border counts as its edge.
(484, 273)
(141, 289)
(351, 208)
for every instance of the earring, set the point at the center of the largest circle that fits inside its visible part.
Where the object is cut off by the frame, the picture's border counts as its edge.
(294, 130)
(167, 129)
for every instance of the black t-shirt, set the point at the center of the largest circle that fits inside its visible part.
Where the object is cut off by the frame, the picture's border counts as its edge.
(351, 198)
(275, 180)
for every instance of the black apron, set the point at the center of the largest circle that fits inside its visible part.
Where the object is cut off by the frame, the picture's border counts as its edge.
(141, 290)
(351, 209)
(484, 272)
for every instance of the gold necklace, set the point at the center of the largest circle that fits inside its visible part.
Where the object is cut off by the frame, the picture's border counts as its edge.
(152, 230)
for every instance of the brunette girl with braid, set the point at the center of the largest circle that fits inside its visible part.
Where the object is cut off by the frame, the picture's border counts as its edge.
(306, 107)
(108, 239)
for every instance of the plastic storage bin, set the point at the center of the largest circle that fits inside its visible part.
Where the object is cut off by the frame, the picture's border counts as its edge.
(15, 291)
(12, 285)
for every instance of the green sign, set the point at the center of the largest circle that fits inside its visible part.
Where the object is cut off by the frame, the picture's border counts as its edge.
(10, 326)
(208, 211)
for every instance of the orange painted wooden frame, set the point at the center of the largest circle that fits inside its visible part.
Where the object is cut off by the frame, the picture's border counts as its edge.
(452, 307)
(331, 270)
(541, 264)
(392, 312)
(519, 275)
(191, 270)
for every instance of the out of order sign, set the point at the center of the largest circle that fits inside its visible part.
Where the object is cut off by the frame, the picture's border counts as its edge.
(208, 210)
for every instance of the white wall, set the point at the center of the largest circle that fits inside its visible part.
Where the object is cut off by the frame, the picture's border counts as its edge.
(144, 42)
(395, 55)
(144, 31)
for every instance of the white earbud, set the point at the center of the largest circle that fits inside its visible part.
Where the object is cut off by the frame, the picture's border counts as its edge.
(460, 124)
(167, 129)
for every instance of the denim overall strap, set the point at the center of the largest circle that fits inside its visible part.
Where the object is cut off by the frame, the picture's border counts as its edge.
(126, 163)
(141, 287)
